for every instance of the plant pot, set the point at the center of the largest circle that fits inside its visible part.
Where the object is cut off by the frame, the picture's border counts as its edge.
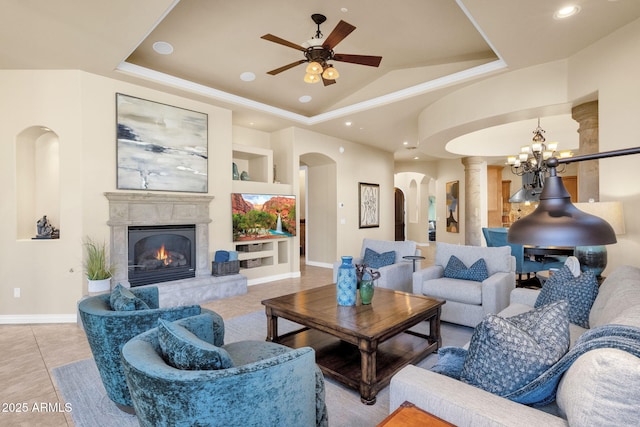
(98, 286)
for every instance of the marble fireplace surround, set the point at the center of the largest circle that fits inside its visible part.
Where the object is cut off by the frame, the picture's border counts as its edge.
(140, 209)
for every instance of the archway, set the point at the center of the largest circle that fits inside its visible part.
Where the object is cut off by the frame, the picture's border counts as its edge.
(318, 186)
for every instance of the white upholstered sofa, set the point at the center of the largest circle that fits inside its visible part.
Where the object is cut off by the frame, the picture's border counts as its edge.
(600, 388)
(468, 301)
(396, 276)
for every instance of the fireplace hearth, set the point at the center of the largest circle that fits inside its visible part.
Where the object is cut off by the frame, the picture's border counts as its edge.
(161, 253)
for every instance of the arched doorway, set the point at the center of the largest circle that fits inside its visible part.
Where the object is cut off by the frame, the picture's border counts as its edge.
(399, 214)
(320, 210)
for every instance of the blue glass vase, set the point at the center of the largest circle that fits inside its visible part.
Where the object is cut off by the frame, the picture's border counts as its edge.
(347, 282)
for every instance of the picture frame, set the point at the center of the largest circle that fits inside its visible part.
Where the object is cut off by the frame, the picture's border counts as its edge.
(160, 147)
(453, 194)
(369, 205)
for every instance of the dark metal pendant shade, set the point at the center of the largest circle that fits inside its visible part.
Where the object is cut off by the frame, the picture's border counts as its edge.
(557, 222)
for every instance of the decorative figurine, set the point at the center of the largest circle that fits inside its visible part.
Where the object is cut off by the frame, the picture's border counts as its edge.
(45, 230)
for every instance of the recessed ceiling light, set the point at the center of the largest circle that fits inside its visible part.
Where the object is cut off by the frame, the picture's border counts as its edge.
(344, 10)
(304, 99)
(566, 12)
(416, 158)
(247, 76)
(405, 143)
(347, 123)
(163, 48)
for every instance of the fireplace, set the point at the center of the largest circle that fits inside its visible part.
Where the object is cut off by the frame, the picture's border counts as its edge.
(142, 212)
(161, 253)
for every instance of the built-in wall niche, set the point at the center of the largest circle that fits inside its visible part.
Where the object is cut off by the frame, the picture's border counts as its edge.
(37, 179)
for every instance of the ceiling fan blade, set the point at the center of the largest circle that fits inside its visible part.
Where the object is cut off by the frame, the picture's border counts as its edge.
(372, 61)
(328, 82)
(276, 39)
(286, 67)
(342, 30)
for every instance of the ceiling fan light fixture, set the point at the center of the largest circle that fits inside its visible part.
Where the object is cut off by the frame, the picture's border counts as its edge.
(312, 78)
(314, 68)
(330, 73)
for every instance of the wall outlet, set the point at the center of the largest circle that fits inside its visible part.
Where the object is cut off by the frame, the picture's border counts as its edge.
(16, 292)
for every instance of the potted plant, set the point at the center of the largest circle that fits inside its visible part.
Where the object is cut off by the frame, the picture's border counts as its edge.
(96, 266)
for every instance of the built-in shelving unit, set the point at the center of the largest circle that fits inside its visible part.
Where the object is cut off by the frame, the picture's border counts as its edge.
(260, 258)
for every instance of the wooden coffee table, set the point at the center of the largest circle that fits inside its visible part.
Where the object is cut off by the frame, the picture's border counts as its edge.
(361, 346)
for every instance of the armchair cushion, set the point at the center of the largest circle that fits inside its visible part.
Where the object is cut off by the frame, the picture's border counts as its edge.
(375, 260)
(122, 299)
(507, 354)
(184, 350)
(456, 269)
(579, 291)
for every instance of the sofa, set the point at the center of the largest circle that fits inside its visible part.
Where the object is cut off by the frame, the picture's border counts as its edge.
(468, 301)
(182, 374)
(599, 388)
(396, 274)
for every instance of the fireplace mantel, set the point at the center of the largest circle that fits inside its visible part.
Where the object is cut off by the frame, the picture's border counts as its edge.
(136, 209)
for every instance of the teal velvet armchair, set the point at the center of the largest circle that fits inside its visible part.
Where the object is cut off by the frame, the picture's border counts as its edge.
(108, 330)
(263, 384)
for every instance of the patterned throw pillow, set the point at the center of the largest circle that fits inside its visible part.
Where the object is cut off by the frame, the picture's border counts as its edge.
(456, 269)
(184, 350)
(122, 299)
(375, 260)
(579, 291)
(507, 354)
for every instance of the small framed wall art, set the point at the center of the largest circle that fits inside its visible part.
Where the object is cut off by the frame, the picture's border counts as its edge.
(452, 206)
(160, 147)
(369, 199)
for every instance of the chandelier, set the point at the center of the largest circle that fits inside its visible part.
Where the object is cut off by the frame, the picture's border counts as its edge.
(533, 158)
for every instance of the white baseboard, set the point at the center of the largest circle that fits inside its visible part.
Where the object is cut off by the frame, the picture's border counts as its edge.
(319, 264)
(17, 319)
(266, 279)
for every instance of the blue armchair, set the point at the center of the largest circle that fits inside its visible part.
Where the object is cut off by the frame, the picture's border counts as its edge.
(265, 384)
(524, 265)
(108, 330)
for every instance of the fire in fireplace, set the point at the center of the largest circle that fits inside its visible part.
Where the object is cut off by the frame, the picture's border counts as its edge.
(161, 253)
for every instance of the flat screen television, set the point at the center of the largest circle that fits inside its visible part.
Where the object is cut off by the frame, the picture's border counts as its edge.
(262, 216)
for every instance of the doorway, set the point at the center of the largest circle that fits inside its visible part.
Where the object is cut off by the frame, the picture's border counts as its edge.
(399, 215)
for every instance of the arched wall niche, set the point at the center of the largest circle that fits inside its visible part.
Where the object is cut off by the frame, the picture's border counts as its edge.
(37, 179)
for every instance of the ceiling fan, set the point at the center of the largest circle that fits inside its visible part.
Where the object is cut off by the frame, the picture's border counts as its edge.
(320, 52)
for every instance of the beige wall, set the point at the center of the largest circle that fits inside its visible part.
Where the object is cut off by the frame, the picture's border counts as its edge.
(80, 109)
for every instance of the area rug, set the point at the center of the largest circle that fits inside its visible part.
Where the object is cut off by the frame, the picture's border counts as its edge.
(80, 384)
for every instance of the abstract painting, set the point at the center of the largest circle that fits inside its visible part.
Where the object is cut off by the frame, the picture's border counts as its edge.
(160, 147)
(369, 198)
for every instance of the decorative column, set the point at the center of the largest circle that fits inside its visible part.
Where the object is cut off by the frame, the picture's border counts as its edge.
(588, 171)
(473, 168)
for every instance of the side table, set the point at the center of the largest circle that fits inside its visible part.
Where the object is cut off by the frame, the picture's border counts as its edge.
(408, 415)
(413, 258)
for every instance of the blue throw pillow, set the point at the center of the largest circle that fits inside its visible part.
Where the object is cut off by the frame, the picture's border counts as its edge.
(456, 269)
(184, 350)
(579, 291)
(375, 260)
(450, 361)
(507, 354)
(122, 299)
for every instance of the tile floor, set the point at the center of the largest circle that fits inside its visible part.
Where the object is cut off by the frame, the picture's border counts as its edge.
(28, 353)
